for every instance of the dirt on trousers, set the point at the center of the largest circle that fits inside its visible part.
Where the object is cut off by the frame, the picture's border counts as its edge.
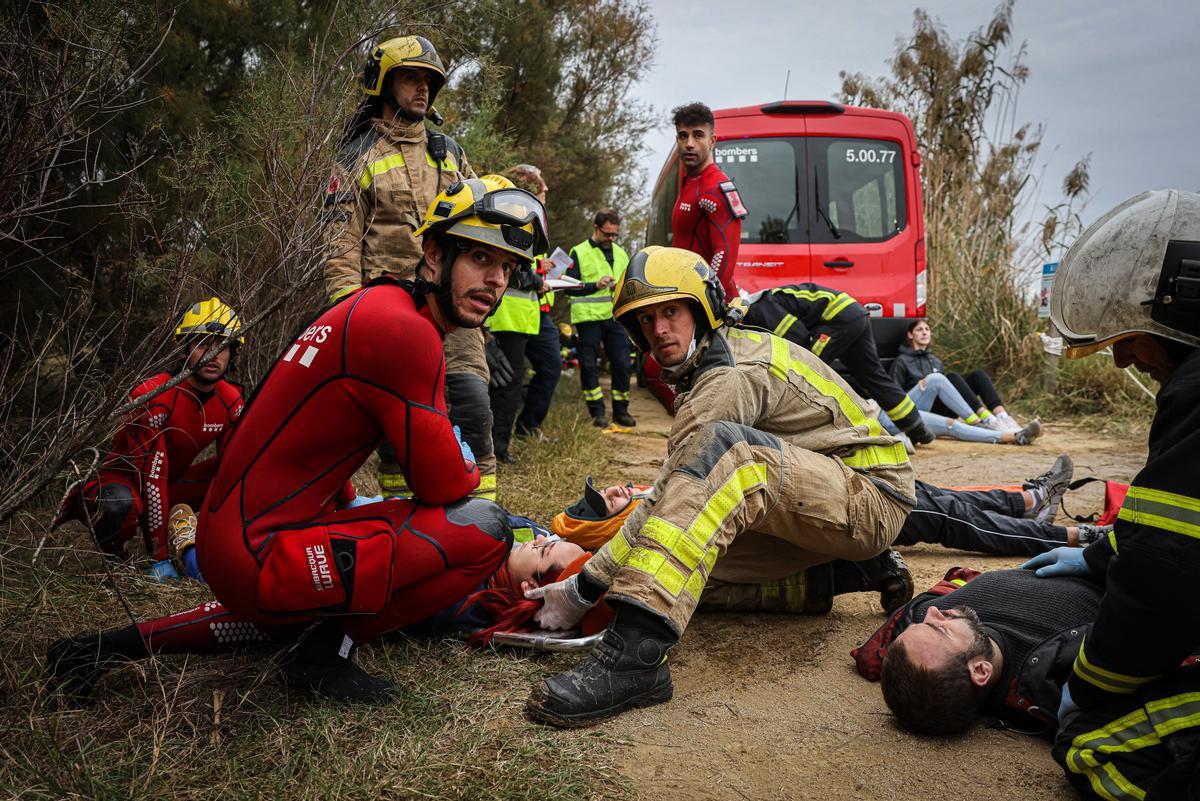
(770, 706)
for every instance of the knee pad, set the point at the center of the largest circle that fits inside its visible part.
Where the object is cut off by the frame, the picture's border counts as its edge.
(488, 516)
(115, 506)
(714, 440)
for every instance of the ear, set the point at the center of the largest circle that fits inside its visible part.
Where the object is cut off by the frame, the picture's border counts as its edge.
(982, 670)
(433, 258)
(526, 586)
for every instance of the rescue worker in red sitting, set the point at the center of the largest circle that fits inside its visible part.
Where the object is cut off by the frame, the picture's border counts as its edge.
(274, 544)
(150, 471)
(773, 463)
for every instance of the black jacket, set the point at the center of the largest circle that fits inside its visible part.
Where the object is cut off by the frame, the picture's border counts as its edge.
(1149, 619)
(911, 365)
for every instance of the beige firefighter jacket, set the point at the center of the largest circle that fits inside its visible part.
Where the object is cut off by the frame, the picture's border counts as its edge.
(381, 187)
(767, 383)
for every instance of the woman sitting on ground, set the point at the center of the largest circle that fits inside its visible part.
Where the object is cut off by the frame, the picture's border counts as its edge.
(972, 397)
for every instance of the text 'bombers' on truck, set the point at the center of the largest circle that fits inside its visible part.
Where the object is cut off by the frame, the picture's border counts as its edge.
(833, 195)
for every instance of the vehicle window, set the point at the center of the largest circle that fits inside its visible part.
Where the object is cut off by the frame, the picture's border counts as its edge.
(764, 171)
(857, 189)
(659, 230)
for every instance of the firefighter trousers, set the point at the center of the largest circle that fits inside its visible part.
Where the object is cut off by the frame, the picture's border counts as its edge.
(1144, 747)
(729, 480)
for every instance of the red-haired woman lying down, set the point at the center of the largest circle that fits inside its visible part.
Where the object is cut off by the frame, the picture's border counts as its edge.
(74, 664)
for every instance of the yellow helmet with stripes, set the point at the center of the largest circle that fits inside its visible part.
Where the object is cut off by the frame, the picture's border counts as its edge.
(404, 51)
(657, 274)
(492, 211)
(210, 318)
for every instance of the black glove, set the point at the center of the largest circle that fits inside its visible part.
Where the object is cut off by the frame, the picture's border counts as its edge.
(919, 433)
(498, 365)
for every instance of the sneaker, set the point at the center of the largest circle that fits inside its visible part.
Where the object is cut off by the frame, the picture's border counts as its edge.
(909, 448)
(181, 527)
(1028, 434)
(1090, 532)
(993, 422)
(1048, 489)
(1008, 422)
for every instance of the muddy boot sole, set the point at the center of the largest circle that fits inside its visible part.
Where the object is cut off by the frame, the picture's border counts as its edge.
(534, 707)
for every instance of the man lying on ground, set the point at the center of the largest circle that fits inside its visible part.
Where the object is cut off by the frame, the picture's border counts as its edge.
(1001, 644)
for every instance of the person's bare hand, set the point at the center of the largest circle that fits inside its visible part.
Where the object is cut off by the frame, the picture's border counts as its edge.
(605, 282)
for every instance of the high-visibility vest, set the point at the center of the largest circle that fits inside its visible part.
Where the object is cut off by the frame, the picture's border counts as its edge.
(519, 311)
(593, 266)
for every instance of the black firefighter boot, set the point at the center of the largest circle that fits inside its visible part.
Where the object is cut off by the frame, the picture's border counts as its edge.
(621, 415)
(596, 410)
(626, 669)
(320, 664)
(886, 574)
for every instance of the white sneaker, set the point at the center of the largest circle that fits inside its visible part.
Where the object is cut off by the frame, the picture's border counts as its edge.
(1008, 422)
(992, 422)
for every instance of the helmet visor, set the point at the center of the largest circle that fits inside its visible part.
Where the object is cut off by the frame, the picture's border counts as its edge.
(511, 209)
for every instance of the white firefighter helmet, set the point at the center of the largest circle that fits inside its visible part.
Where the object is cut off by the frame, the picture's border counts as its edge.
(1135, 270)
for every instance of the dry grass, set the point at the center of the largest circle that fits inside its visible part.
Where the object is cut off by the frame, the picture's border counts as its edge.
(223, 727)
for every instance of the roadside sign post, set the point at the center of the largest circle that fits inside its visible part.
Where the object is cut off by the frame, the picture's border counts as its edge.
(1051, 344)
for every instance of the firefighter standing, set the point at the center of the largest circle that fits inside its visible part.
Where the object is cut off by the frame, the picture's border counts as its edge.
(389, 169)
(1132, 281)
(599, 262)
(772, 460)
(833, 326)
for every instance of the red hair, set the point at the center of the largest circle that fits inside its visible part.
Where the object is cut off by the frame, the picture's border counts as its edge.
(510, 610)
(505, 604)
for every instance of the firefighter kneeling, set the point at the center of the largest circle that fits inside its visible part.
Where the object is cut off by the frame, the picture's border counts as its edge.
(774, 465)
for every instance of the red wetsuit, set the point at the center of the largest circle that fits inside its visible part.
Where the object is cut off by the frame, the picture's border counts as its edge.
(153, 453)
(707, 219)
(273, 545)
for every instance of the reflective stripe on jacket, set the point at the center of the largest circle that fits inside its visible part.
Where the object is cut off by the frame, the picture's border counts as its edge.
(381, 187)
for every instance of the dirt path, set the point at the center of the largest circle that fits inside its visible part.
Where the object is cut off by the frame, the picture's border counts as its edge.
(769, 707)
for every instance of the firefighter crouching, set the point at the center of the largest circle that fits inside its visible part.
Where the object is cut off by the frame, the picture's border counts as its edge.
(773, 461)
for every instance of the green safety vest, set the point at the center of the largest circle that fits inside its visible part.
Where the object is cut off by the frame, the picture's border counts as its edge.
(519, 311)
(593, 266)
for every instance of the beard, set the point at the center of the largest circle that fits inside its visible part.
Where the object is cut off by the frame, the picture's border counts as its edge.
(981, 643)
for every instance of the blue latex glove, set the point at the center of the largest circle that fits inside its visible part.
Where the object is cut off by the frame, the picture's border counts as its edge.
(191, 565)
(1064, 561)
(363, 500)
(163, 571)
(1066, 707)
(467, 454)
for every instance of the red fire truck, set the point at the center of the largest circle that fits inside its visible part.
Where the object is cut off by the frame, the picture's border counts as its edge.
(834, 197)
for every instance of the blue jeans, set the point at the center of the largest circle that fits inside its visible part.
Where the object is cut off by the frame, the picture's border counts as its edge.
(938, 387)
(941, 427)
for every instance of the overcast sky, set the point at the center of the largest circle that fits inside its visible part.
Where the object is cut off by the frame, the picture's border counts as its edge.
(1120, 80)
